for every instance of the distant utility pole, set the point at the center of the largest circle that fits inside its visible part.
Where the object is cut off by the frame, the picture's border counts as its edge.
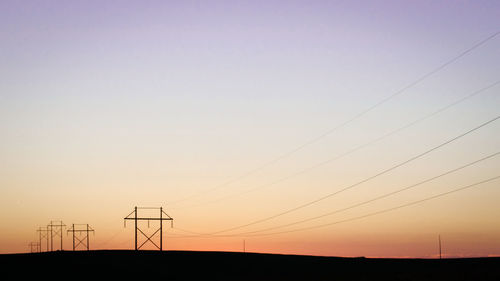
(55, 231)
(81, 228)
(439, 239)
(160, 218)
(34, 247)
(43, 234)
(244, 246)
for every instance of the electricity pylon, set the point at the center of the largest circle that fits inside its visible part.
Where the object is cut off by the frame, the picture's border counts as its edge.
(43, 234)
(160, 218)
(34, 247)
(81, 238)
(55, 230)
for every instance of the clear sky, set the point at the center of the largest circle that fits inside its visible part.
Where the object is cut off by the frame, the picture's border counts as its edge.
(107, 105)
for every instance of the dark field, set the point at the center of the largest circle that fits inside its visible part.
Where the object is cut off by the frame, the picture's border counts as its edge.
(183, 265)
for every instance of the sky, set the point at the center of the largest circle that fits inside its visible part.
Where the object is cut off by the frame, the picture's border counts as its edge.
(229, 112)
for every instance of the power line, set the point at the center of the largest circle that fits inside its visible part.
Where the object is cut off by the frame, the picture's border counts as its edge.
(362, 181)
(100, 245)
(367, 201)
(378, 197)
(189, 231)
(366, 215)
(389, 209)
(357, 148)
(348, 121)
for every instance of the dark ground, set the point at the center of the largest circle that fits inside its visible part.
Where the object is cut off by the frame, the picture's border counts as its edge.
(181, 265)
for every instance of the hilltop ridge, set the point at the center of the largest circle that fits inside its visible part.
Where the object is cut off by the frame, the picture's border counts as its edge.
(193, 265)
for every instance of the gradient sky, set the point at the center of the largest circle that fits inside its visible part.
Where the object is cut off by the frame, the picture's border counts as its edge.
(107, 105)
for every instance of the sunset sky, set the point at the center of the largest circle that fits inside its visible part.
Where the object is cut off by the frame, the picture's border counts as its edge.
(228, 112)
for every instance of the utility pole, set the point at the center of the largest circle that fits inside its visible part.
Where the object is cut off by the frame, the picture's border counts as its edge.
(244, 246)
(135, 227)
(81, 239)
(34, 247)
(160, 218)
(43, 234)
(55, 231)
(439, 238)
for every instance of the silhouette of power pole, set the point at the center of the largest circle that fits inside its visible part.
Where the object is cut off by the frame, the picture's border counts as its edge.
(34, 247)
(439, 238)
(55, 230)
(81, 238)
(160, 218)
(43, 234)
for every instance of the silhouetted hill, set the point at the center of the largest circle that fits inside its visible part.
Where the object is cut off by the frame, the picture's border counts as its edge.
(185, 265)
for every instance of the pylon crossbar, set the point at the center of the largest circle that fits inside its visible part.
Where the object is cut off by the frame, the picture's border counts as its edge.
(149, 219)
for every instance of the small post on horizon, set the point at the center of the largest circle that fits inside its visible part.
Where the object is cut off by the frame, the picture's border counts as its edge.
(244, 246)
(439, 238)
